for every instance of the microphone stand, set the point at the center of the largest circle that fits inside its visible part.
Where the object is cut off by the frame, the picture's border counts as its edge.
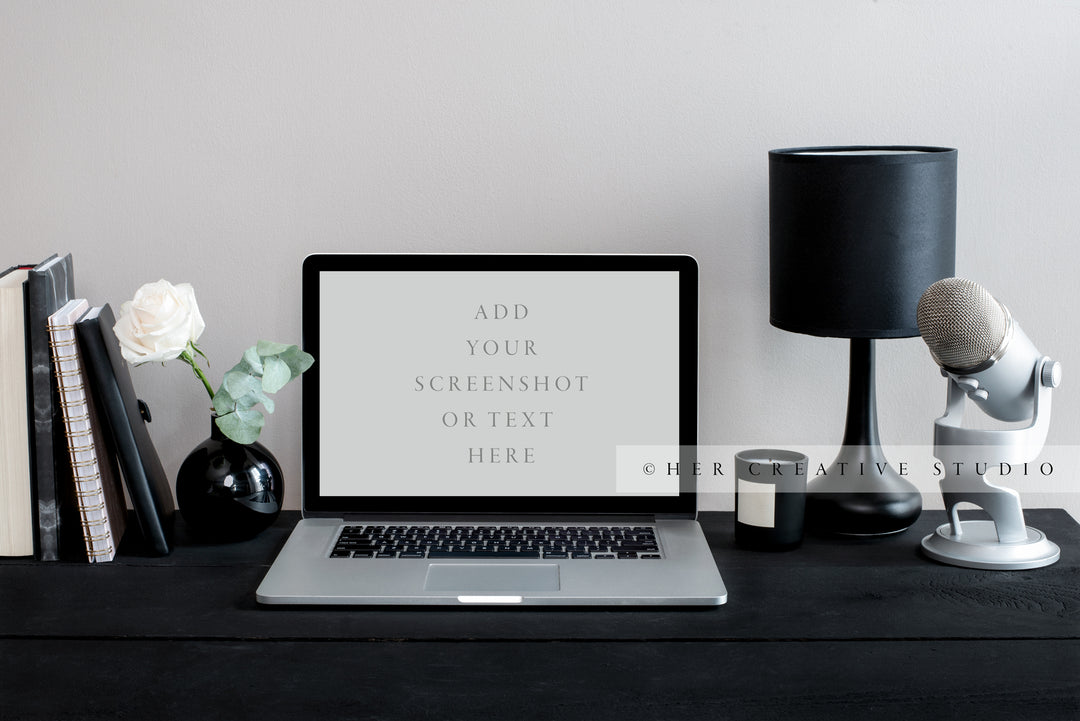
(1004, 542)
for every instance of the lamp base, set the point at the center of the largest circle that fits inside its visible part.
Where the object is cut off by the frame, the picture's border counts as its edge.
(977, 546)
(860, 494)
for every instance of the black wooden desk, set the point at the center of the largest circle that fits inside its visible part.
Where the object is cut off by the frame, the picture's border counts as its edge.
(836, 629)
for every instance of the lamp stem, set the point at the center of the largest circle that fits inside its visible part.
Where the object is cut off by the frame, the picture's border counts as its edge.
(861, 428)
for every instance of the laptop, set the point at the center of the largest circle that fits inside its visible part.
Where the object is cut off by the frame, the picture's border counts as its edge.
(504, 430)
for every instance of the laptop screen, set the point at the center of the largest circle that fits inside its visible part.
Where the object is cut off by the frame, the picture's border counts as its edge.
(508, 383)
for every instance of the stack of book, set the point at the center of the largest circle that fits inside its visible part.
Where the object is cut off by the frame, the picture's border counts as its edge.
(71, 427)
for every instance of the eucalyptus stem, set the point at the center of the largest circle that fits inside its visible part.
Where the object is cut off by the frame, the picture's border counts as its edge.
(190, 360)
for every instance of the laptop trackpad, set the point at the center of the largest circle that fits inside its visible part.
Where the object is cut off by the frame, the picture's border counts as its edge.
(485, 577)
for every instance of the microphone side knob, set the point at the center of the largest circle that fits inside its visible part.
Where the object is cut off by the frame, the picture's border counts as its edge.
(1050, 376)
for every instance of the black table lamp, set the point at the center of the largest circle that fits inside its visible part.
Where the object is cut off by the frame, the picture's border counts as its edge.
(856, 235)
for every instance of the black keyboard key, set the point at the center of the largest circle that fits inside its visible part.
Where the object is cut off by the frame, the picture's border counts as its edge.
(359, 541)
(635, 546)
(484, 554)
(357, 548)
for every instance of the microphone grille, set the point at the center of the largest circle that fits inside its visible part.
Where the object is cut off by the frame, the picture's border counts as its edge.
(962, 324)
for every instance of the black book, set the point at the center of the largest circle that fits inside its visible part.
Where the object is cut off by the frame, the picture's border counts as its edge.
(112, 390)
(48, 286)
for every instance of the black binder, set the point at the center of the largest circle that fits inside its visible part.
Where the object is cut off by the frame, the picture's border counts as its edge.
(110, 382)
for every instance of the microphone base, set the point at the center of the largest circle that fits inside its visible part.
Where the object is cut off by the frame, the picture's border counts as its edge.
(977, 546)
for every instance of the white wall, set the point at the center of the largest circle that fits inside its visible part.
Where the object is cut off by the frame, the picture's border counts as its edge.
(219, 143)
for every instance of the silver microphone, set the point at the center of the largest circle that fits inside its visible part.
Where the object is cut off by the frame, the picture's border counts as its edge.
(977, 343)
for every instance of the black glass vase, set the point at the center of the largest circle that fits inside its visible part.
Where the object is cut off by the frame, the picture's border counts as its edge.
(228, 491)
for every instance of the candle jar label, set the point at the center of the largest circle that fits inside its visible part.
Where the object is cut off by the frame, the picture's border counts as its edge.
(757, 503)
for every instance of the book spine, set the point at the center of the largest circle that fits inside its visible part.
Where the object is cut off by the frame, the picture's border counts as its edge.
(49, 286)
(89, 491)
(16, 497)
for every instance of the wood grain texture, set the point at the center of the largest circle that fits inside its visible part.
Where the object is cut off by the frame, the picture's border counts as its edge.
(827, 590)
(834, 630)
(260, 680)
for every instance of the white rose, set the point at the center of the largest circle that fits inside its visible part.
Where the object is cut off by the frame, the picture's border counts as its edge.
(158, 323)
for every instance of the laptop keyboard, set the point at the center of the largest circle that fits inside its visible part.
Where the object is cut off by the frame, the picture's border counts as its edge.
(521, 542)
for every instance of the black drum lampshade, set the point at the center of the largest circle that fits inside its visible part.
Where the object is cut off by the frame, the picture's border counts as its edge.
(856, 235)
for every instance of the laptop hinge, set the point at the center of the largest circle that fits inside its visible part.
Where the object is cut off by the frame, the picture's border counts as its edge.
(517, 518)
(506, 517)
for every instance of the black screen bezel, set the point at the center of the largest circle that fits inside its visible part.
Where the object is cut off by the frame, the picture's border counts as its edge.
(682, 505)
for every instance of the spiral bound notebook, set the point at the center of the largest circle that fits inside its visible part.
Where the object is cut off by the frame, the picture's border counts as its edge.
(95, 475)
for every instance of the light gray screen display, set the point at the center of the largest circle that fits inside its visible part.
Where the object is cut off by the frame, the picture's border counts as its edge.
(492, 384)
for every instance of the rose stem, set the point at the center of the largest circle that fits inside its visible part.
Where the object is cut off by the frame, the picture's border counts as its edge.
(190, 360)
